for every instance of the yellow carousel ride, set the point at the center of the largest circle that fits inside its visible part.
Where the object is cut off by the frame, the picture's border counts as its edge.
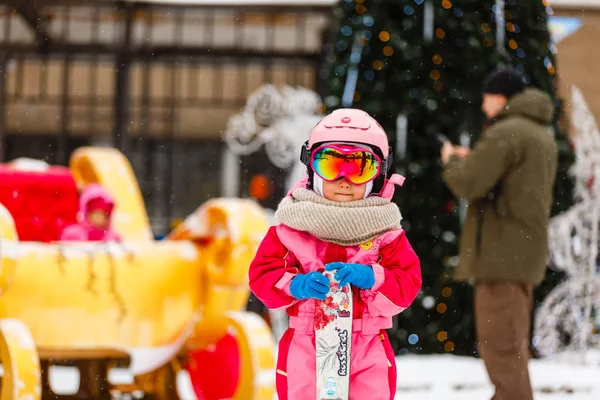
(141, 305)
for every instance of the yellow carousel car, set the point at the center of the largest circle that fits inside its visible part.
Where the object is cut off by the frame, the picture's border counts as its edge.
(140, 304)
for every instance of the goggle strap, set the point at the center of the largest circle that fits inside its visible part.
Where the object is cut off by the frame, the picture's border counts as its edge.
(305, 154)
(387, 162)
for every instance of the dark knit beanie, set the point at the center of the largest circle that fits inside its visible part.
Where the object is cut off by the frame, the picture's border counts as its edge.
(506, 81)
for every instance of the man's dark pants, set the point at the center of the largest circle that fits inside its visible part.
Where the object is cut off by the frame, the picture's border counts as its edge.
(503, 323)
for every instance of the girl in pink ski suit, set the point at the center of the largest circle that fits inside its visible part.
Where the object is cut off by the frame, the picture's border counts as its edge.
(340, 217)
(95, 212)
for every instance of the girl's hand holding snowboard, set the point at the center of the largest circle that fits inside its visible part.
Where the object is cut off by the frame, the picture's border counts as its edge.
(313, 285)
(359, 275)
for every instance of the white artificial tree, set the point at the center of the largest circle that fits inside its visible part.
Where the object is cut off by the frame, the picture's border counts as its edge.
(566, 322)
(280, 119)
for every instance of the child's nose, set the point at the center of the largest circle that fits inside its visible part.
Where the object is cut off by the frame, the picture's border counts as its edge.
(344, 182)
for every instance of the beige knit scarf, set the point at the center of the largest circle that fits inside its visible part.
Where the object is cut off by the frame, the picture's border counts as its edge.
(347, 224)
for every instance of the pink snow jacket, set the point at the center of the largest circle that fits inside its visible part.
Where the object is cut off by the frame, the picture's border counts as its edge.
(285, 252)
(83, 230)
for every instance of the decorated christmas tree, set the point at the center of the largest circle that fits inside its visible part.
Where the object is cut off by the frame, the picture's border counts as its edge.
(417, 66)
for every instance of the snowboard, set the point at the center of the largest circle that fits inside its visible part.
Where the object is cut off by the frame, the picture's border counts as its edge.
(333, 339)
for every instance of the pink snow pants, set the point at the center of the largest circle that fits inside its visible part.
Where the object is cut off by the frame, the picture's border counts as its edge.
(372, 367)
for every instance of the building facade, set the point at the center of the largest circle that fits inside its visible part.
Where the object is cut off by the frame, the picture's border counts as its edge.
(157, 80)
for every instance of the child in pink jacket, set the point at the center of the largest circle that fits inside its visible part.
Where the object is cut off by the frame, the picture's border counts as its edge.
(340, 217)
(95, 212)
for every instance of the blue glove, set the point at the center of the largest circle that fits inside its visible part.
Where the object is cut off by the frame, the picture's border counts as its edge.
(313, 285)
(359, 275)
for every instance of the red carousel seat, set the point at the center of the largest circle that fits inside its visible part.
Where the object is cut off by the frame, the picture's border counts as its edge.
(42, 202)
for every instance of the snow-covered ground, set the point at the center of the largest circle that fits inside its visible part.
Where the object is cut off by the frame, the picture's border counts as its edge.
(451, 378)
(439, 377)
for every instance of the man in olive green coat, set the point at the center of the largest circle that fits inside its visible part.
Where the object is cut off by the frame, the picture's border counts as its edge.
(507, 179)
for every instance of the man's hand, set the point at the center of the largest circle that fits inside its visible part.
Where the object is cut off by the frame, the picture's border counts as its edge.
(447, 151)
(461, 151)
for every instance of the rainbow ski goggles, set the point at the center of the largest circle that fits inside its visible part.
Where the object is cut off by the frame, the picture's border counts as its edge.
(359, 166)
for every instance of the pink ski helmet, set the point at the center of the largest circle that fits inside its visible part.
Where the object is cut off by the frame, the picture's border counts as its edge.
(352, 126)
